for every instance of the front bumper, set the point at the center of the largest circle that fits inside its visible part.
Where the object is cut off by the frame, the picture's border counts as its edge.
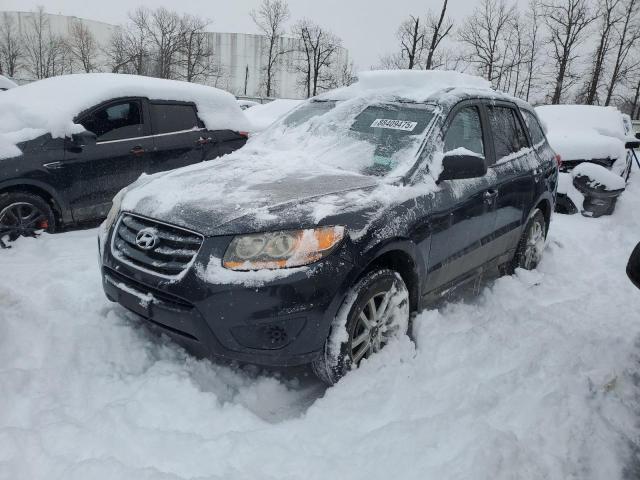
(281, 322)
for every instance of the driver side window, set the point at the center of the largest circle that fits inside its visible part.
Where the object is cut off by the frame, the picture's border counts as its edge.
(465, 131)
(117, 121)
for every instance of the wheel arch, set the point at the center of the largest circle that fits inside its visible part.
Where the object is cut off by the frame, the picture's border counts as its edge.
(42, 190)
(401, 256)
(545, 205)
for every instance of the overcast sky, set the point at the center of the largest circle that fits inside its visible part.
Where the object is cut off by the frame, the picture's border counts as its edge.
(367, 27)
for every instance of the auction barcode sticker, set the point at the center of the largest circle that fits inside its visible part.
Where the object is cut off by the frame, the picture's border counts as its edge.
(394, 124)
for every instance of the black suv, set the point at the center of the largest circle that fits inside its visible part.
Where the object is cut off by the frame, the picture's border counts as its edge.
(331, 227)
(68, 180)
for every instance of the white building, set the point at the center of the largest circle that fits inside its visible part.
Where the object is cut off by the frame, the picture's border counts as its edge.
(237, 54)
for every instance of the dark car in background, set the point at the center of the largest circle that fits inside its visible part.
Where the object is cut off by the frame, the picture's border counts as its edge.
(319, 238)
(124, 127)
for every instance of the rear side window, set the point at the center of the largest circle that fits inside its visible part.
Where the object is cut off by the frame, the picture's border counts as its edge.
(167, 118)
(537, 135)
(508, 134)
(465, 131)
(117, 121)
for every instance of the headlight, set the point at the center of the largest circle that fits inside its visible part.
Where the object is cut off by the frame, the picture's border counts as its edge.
(115, 210)
(290, 248)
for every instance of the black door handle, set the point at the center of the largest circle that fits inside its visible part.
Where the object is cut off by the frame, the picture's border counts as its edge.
(137, 151)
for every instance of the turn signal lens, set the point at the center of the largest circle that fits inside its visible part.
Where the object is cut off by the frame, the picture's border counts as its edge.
(284, 249)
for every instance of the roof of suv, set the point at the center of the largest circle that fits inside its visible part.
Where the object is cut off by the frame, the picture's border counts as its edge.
(433, 86)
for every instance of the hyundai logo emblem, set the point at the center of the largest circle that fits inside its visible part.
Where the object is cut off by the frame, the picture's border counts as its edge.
(146, 239)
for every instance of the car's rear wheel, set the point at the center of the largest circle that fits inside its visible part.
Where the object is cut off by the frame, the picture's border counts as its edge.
(24, 215)
(531, 246)
(375, 311)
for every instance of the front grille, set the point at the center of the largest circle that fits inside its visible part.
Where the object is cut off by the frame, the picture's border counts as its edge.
(173, 250)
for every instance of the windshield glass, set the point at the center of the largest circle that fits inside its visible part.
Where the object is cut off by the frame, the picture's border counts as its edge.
(379, 139)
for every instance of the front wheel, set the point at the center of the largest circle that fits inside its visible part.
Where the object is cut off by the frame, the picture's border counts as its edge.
(375, 311)
(531, 245)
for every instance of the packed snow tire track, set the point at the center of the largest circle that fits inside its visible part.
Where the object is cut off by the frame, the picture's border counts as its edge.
(536, 377)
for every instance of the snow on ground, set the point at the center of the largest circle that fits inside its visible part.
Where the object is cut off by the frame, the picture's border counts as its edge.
(533, 378)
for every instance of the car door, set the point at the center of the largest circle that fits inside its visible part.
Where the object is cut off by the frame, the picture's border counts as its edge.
(96, 172)
(463, 213)
(513, 167)
(178, 134)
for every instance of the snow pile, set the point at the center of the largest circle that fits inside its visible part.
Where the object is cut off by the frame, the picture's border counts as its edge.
(6, 84)
(584, 132)
(416, 85)
(262, 116)
(51, 105)
(534, 378)
(599, 176)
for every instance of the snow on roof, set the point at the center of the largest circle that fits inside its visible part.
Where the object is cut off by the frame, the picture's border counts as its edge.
(261, 116)
(584, 132)
(415, 85)
(6, 83)
(50, 105)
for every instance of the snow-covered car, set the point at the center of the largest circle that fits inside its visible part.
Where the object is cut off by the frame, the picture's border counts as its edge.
(6, 84)
(315, 242)
(68, 144)
(245, 104)
(594, 135)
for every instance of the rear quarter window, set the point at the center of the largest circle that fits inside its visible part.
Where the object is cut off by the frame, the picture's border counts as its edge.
(168, 118)
(535, 129)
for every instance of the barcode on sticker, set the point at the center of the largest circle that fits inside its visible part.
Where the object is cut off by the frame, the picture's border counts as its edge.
(394, 124)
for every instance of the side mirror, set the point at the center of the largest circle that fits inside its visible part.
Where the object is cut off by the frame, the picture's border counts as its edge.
(459, 166)
(82, 139)
(638, 135)
(633, 267)
(632, 144)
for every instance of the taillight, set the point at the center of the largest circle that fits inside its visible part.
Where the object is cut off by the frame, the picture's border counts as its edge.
(558, 160)
(244, 134)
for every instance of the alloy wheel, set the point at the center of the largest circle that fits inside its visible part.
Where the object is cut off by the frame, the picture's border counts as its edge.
(534, 246)
(21, 219)
(375, 326)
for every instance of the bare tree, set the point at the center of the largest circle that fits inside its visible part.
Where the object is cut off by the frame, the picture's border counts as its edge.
(627, 37)
(270, 18)
(129, 49)
(412, 36)
(483, 33)
(533, 44)
(437, 29)
(566, 21)
(83, 46)
(46, 54)
(198, 61)
(165, 30)
(11, 50)
(318, 48)
(609, 17)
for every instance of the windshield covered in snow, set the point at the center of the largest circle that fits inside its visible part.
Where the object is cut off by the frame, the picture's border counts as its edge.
(374, 139)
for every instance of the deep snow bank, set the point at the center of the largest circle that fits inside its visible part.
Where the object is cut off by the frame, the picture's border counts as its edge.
(532, 379)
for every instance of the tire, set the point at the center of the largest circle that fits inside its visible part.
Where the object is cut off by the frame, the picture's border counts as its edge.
(385, 289)
(24, 215)
(531, 245)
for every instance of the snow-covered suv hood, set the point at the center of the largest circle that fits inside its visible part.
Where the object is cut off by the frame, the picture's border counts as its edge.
(218, 197)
